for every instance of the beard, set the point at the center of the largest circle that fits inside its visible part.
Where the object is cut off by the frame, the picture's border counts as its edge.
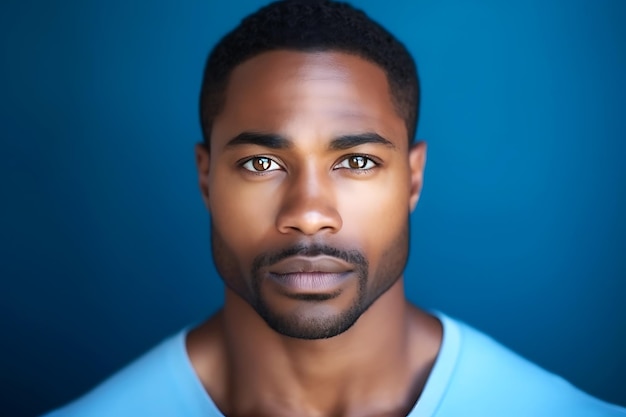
(298, 326)
(370, 285)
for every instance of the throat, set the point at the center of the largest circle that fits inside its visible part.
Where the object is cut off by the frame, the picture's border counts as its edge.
(378, 367)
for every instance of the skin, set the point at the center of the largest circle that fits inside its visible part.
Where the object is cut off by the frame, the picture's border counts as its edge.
(263, 353)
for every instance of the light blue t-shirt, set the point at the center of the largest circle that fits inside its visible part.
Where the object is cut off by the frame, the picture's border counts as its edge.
(473, 376)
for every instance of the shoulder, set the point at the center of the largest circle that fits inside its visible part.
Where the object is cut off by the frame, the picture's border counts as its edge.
(490, 380)
(161, 382)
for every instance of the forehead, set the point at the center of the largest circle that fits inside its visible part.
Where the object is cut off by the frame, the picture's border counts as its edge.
(316, 93)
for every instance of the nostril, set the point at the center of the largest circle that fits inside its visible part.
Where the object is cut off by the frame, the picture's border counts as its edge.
(309, 221)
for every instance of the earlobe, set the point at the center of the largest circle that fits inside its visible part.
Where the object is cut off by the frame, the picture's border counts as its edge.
(203, 164)
(417, 162)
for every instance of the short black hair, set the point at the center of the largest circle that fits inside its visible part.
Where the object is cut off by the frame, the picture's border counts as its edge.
(311, 26)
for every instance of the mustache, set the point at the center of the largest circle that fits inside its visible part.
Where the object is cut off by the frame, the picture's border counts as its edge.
(350, 256)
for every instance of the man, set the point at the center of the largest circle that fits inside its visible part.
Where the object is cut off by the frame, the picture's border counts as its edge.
(309, 171)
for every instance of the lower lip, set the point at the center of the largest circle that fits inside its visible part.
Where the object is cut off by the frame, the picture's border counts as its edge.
(311, 282)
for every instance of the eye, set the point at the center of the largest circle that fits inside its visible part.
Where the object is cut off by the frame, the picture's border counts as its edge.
(260, 164)
(357, 162)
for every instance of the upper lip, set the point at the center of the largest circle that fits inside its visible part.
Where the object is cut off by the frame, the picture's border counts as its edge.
(300, 264)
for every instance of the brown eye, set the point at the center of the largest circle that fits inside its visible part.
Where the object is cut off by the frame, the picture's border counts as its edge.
(357, 162)
(260, 164)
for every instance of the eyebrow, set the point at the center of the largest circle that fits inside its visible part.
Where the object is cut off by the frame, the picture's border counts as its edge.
(275, 141)
(267, 140)
(351, 141)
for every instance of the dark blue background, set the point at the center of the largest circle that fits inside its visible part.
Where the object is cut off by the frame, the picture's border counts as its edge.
(104, 245)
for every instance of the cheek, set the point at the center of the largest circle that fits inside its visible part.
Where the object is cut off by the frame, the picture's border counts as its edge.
(376, 212)
(243, 213)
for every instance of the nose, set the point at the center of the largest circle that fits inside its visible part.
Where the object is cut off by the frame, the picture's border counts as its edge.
(309, 205)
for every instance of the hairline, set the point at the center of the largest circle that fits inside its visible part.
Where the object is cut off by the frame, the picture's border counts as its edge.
(221, 92)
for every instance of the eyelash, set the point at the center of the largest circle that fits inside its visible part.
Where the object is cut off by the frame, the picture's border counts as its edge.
(369, 159)
(246, 161)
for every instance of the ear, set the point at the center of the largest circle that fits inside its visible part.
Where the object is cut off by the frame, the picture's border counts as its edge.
(203, 163)
(417, 161)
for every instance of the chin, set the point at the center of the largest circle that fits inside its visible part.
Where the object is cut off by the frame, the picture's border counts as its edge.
(311, 321)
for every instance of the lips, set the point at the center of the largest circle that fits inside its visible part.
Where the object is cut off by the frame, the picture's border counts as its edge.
(318, 264)
(310, 274)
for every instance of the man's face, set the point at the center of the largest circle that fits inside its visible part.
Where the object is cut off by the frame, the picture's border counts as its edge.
(309, 182)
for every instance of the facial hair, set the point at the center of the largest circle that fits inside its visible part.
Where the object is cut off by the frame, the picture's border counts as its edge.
(247, 284)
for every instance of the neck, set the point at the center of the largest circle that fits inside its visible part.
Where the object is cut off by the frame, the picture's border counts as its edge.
(376, 367)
